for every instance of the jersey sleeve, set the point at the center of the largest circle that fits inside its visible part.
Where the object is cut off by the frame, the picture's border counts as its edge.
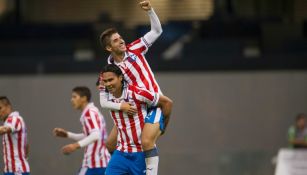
(139, 46)
(92, 137)
(105, 103)
(145, 96)
(14, 123)
(155, 31)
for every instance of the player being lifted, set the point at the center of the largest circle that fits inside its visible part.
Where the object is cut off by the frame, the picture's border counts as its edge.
(96, 156)
(131, 60)
(128, 158)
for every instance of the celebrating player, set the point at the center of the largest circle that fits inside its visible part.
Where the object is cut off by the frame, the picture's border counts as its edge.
(131, 60)
(128, 158)
(94, 134)
(14, 139)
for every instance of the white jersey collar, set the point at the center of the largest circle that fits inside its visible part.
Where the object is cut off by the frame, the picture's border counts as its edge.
(111, 60)
(14, 113)
(123, 96)
(89, 105)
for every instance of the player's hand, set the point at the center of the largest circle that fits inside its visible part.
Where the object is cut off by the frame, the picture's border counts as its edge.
(128, 108)
(145, 5)
(60, 132)
(3, 130)
(68, 149)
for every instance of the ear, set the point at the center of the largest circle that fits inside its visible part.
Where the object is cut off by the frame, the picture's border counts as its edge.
(83, 98)
(108, 48)
(121, 78)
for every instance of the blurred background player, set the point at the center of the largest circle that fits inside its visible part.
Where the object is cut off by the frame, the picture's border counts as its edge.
(96, 156)
(131, 60)
(14, 139)
(128, 158)
(297, 134)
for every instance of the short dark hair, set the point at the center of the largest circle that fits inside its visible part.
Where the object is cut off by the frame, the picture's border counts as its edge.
(83, 91)
(112, 68)
(105, 37)
(5, 100)
(300, 116)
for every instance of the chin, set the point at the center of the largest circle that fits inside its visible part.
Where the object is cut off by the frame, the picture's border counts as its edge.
(124, 49)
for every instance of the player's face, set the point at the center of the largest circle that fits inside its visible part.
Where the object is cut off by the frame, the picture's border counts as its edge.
(301, 123)
(117, 44)
(112, 82)
(3, 111)
(76, 100)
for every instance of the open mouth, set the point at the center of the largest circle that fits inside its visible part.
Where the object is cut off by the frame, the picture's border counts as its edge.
(110, 88)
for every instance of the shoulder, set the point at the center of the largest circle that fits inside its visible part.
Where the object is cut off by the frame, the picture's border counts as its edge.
(137, 46)
(135, 42)
(135, 89)
(13, 118)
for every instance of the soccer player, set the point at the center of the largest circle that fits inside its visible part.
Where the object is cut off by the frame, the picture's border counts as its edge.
(14, 140)
(131, 60)
(128, 158)
(96, 156)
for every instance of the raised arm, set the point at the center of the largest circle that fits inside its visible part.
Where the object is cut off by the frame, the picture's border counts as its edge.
(155, 25)
(92, 137)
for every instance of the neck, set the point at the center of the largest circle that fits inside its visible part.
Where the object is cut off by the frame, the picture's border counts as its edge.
(118, 93)
(6, 116)
(83, 106)
(118, 57)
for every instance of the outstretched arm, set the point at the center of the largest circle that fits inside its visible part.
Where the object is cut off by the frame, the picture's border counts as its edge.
(156, 28)
(60, 132)
(94, 136)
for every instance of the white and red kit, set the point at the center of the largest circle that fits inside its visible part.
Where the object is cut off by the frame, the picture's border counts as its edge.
(130, 127)
(93, 138)
(134, 66)
(14, 145)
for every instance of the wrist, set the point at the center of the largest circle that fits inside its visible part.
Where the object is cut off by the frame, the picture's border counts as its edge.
(150, 10)
(68, 135)
(77, 145)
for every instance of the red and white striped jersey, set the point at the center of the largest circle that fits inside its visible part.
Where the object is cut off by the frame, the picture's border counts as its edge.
(96, 154)
(135, 67)
(130, 127)
(14, 145)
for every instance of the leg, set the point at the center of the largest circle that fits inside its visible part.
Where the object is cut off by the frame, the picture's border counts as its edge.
(152, 130)
(95, 171)
(117, 165)
(150, 134)
(137, 164)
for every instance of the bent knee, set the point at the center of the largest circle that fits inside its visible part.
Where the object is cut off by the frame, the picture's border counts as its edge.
(147, 143)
